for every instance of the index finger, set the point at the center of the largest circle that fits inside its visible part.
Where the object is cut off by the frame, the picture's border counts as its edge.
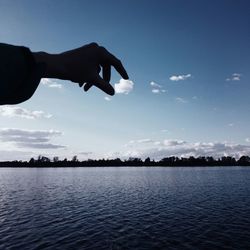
(112, 60)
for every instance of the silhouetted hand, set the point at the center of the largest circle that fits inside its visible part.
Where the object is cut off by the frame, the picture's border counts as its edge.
(83, 66)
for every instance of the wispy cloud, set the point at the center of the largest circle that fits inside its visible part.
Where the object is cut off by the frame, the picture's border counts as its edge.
(181, 148)
(174, 142)
(157, 88)
(87, 153)
(156, 91)
(51, 83)
(181, 100)
(107, 98)
(36, 139)
(124, 86)
(146, 140)
(7, 155)
(177, 78)
(155, 85)
(11, 111)
(234, 77)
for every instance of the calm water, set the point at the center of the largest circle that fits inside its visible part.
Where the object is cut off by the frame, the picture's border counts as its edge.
(125, 208)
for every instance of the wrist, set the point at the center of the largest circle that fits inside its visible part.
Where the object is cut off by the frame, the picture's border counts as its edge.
(52, 62)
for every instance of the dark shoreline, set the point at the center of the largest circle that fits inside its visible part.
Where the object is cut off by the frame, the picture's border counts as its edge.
(45, 162)
(41, 167)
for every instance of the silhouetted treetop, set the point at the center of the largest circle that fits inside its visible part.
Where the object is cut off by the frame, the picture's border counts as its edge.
(172, 161)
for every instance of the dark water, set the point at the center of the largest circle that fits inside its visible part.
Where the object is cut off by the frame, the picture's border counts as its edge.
(125, 208)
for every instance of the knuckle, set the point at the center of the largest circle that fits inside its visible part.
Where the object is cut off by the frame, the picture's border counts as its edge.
(103, 50)
(94, 44)
(118, 62)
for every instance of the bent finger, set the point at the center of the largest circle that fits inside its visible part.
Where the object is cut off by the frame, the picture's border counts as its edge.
(120, 69)
(104, 86)
(106, 72)
(87, 86)
(109, 58)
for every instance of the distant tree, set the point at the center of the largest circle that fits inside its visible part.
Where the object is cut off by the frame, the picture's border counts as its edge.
(147, 161)
(45, 159)
(134, 161)
(244, 160)
(39, 158)
(32, 161)
(210, 160)
(228, 161)
(74, 158)
(55, 159)
(167, 161)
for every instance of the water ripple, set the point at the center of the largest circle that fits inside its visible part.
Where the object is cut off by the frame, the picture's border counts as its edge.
(125, 208)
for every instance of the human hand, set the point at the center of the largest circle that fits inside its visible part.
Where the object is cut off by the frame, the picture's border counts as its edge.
(83, 66)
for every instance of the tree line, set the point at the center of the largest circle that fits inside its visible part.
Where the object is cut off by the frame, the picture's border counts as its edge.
(172, 161)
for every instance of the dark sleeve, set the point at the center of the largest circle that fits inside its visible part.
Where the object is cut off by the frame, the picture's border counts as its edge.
(19, 74)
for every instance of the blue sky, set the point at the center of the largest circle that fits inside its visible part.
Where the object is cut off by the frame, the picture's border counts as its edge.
(189, 63)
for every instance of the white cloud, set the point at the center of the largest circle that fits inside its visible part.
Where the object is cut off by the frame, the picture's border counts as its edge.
(157, 88)
(124, 86)
(173, 142)
(234, 77)
(11, 155)
(157, 143)
(51, 83)
(23, 138)
(181, 100)
(87, 153)
(164, 130)
(13, 111)
(177, 78)
(145, 140)
(247, 139)
(231, 124)
(155, 91)
(160, 149)
(107, 98)
(155, 85)
(55, 85)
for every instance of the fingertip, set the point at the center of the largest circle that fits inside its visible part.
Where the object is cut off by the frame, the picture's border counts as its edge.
(87, 86)
(94, 44)
(108, 89)
(112, 92)
(126, 77)
(119, 67)
(104, 86)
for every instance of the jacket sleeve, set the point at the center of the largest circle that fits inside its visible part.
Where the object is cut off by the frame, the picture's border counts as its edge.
(19, 74)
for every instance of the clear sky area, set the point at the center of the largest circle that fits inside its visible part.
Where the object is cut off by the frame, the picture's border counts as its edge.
(189, 87)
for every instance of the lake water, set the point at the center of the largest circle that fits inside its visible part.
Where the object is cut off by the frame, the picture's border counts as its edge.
(125, 208)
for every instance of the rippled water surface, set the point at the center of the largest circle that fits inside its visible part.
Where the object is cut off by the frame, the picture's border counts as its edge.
(125, 208)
